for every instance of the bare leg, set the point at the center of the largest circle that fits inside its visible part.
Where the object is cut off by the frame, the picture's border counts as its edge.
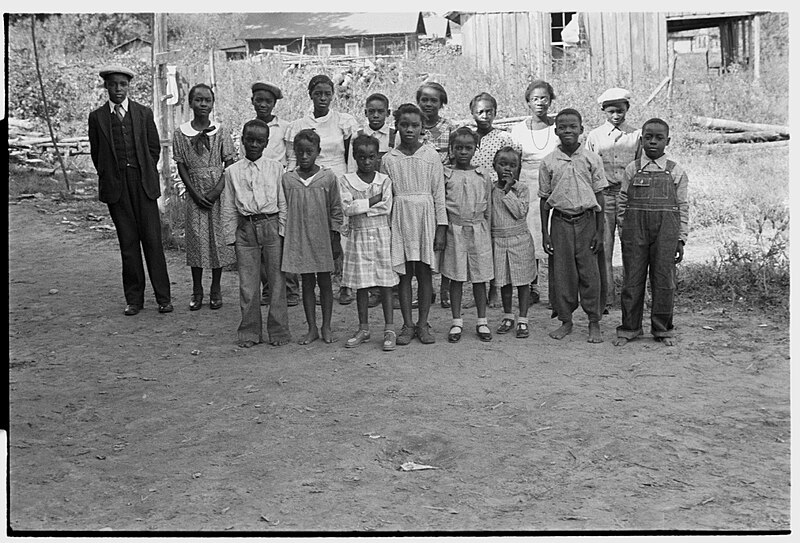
(493, 294)
(326, 301)
(456, 295)
(388, 307)
(594, 333)
(562, 331)
(479, 294)
(524, 294)
(507, 296)
(404, 293)
(309, 308)
(362, 306)
(424, 291)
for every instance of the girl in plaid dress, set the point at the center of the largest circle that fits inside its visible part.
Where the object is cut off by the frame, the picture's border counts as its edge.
(367, 201)
(201, 152)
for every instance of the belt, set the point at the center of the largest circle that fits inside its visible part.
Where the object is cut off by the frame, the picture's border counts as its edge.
(260, 216)
(571, 218)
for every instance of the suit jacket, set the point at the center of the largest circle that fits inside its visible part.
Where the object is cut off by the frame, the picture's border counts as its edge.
(148, 149)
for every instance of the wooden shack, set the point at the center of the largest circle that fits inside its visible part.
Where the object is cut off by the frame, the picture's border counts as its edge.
(615, 48)
(351, 34)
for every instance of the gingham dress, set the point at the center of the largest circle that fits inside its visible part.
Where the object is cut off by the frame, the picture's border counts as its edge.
(205, 240)
(418, 207)
(368, 258)
(439, 137)
(468, 253)
(514, 256)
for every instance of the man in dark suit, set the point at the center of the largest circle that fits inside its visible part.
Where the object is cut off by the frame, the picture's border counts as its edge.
(125, 148)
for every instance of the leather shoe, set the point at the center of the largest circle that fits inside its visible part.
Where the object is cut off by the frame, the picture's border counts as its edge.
(196, 303)
(132, 309)
(165, 308)
(216, 302)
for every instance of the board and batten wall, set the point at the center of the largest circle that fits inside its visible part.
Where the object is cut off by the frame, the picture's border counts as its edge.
(624, 47)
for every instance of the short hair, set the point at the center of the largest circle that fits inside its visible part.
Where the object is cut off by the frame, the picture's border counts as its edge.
(200, 86)
(464, 131)
(405, 109)
(318, 80)
(656, 120)
(507, 149)
(435, 86)
(363, 139)
(309, 135)
(377, 96)
(570, 111)
(255, 123)
(539, 84)
(483, 96)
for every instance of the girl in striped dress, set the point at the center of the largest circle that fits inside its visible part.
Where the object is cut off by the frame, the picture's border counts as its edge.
(419, 218)
(468, 251)
(514, 257)
(367, 202)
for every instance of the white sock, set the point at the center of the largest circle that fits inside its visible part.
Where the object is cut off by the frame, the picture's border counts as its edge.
(483, 322)
(522, 320)
(458, 322)
(509, 316)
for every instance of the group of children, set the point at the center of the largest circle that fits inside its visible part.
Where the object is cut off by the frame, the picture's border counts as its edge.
(410, 210)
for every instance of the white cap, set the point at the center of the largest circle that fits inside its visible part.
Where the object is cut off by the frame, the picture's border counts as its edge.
(615, 94)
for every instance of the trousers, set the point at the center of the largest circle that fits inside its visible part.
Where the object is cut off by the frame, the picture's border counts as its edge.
(575, 272)
(258, 244)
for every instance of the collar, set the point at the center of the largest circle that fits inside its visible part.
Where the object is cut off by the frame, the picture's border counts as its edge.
(320, 119)
(187, 129)
(359, 184)
(625, 128)
(578, 151)
(382, 130)
(125, 105)
(661, 161)
(259, 164)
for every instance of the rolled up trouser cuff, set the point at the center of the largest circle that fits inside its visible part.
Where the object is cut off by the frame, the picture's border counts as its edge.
(628, 334)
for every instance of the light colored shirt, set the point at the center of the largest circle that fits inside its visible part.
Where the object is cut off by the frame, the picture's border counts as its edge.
(353, 207)
(123, 105)
(252, 188)
(681, 187)
(488, 147)
(333, 129)
(382, 134)
(569, 183)
(617, 147)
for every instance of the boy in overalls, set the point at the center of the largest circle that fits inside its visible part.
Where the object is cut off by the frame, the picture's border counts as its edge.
(654, 219)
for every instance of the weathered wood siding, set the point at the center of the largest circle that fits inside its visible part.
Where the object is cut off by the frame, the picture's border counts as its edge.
(507, 41)
(624, 48)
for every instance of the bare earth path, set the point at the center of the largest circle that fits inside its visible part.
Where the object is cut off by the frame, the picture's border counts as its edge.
(159, 422)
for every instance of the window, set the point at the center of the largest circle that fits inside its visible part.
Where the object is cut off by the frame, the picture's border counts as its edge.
(558, 21)
(324, 49)
(351, 49)
(280, 48)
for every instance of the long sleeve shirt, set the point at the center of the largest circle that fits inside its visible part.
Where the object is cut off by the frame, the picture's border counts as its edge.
(681, 186)
(252, 188)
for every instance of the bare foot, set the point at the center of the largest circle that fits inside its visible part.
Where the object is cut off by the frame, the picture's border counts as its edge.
(327, 335)
(619, 341)
(246, 344)
(280, 342)
(312, 335)
(594, 333)
(562, 331)
(669, 341)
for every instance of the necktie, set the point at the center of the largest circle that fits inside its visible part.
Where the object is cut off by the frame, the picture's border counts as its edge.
(119, 111)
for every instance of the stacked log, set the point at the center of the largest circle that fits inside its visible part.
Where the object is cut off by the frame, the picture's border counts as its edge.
(736, 131)
(28, 146)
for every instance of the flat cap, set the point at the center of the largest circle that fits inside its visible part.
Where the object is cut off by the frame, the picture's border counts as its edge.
(615, 94)
(269, 87)
(115, 69)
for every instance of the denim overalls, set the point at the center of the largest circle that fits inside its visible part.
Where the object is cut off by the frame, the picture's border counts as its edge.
(649, 236)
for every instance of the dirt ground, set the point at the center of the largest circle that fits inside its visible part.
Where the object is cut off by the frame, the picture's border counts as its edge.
(159, 422)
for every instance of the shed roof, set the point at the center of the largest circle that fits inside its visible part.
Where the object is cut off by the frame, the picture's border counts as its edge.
(329, 25)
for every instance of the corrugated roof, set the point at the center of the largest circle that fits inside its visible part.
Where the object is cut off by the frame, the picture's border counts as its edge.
(328, 25)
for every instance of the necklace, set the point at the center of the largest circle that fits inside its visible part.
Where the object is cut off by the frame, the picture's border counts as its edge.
(533, 139)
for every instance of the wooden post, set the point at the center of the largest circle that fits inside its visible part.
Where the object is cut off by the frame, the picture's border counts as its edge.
(160, 108)
(757, 49)
(672, 76)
